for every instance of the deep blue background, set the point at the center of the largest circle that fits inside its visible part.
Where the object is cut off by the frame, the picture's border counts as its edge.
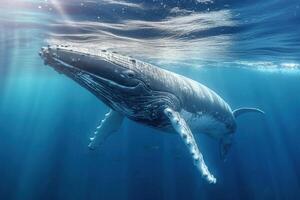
(46, 118)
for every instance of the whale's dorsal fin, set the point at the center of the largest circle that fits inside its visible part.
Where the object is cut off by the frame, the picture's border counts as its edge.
(184, 131)
(110, 124)
(241, 111)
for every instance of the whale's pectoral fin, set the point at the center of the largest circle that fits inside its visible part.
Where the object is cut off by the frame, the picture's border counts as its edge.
(109, 124)
(225, 145)
(184, 131)
(241, 111)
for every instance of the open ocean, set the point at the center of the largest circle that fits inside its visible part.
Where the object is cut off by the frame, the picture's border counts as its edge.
(246, 51)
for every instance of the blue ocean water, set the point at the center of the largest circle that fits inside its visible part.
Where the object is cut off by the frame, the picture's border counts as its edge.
(247, 51)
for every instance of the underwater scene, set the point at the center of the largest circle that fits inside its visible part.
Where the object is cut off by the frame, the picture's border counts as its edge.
(149, 99)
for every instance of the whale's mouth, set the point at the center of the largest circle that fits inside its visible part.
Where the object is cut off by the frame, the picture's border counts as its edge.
(77, 66)
(67, 61)
(70, 67)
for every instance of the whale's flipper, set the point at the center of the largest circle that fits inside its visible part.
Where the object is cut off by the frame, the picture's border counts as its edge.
(225, 145)
(109, 124)
(184, 131)
(241, 111)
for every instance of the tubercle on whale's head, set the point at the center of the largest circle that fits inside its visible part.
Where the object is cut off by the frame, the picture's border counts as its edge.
(67, 61)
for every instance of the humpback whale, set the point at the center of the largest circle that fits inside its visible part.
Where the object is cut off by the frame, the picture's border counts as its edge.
(148, 95)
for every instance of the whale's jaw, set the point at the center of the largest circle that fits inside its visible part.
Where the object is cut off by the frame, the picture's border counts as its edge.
(107, 81)
(64, 58)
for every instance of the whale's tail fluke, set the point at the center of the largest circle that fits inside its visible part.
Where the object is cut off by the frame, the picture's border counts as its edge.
(244, 110)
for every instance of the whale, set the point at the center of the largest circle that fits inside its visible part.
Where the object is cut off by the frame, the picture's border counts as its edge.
(149, 95)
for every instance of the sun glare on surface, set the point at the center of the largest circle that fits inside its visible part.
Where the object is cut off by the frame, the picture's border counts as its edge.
(57, 6)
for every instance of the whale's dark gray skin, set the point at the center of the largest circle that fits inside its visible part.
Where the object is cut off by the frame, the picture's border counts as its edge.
(149, 95)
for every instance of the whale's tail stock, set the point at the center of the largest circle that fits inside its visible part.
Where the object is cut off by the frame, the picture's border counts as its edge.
(226, 142)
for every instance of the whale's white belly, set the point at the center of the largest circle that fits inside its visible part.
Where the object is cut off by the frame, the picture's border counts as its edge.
(204, 123)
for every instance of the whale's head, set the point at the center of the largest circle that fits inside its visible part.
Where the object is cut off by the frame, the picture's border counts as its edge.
(109, 81)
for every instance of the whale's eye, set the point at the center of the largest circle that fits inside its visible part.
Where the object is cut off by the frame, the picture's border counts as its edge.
(129, 74)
